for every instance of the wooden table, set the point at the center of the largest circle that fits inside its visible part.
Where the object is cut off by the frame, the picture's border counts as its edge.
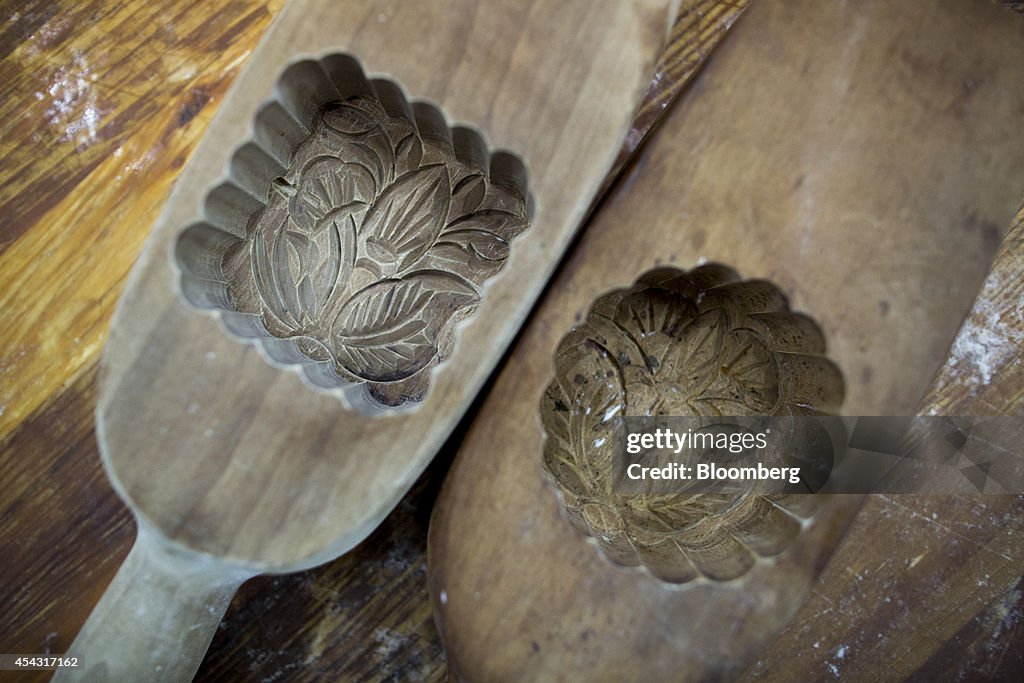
(102, 104)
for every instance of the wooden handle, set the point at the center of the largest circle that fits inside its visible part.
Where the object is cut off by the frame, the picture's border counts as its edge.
(157, 617)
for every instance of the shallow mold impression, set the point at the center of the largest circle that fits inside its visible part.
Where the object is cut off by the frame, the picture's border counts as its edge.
(354, 231)
(700, 343)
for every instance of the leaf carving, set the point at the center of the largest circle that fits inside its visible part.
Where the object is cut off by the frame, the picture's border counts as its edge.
(408, 154)
(334, 259)
(374, 241)
(378, 160)
(296, 274)
(655, 310)
(502, 223)
(353, 135)
(348, 120)
(407, 217)
(581, 410)
(327, 184)
(266, 277)
(467, 195)
(475, 254)
(390, 330)
(483, 245)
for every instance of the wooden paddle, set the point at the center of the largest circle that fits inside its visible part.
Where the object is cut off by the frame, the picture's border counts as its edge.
(337, 271)
(865, 159)
(936, 579)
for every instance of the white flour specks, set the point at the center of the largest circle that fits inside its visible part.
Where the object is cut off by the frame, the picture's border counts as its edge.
(983, 345)
(833, 666)
(388, 641)
(73, 106)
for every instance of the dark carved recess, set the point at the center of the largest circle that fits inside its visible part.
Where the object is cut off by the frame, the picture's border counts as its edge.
(698, 343)
(357, 231)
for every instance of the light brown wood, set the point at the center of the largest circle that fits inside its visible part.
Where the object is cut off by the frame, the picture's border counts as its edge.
(96, 127)
(234, 414)
(235, 464)
(102, 103)
(364, 615)
(864, 159)
(889, 621)
(984, 373)
(947, 603)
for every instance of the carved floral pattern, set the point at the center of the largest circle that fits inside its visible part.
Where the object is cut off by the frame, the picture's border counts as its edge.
(697, 343)
(373, 244)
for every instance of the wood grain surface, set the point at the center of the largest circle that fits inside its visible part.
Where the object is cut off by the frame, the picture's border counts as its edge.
(920, 588)
(104, 102)
(211, 477)
(985, 370)
(970, 548)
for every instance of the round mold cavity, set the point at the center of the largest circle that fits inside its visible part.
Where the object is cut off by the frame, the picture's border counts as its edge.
(698, 343)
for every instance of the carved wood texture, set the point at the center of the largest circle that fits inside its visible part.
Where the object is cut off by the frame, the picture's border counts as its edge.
(697, 343)
(374, 241)
(336, 621)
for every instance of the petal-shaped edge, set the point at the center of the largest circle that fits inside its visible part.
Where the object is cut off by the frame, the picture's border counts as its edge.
(278, 128)
(723, 547)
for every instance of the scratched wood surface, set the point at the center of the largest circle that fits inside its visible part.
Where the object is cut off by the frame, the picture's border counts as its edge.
(921, 588)
(102, 104)
(969, 548)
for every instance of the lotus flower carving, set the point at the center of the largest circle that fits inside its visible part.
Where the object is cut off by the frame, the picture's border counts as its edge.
(374, 242)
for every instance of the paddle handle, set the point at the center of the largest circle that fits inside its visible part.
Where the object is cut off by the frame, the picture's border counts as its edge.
(156, 619)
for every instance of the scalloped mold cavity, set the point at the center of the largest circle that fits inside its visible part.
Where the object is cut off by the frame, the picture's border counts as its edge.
(694, 343)
(353, 232)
